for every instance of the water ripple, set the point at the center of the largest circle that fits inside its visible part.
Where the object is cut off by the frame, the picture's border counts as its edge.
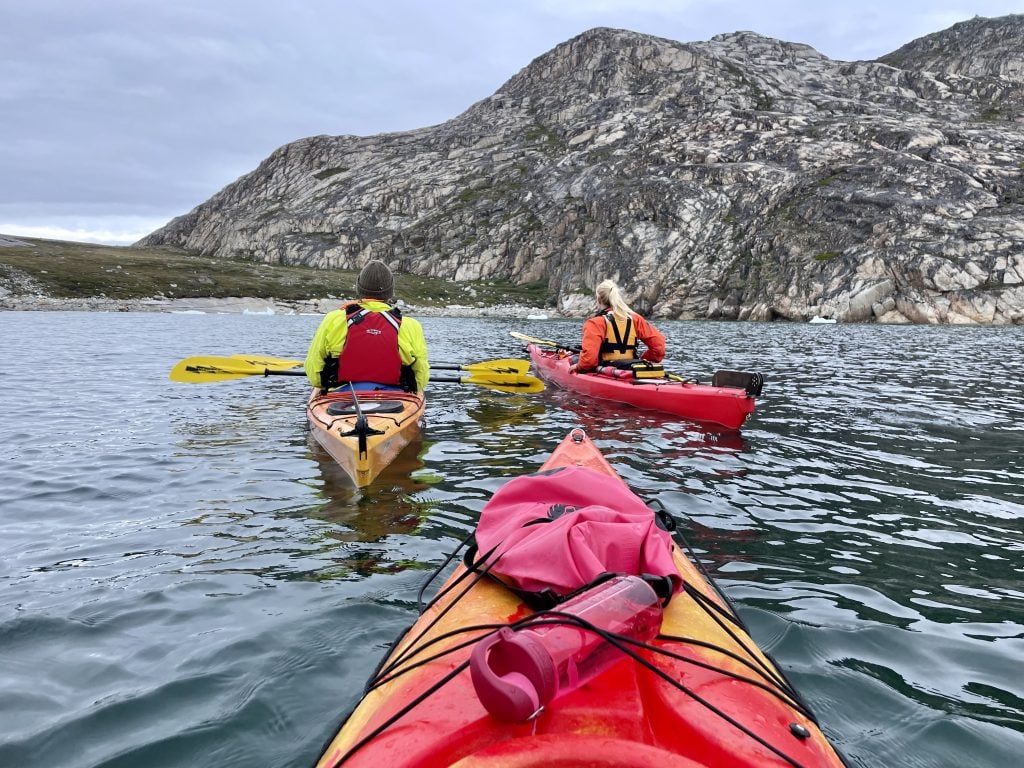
(187, 580)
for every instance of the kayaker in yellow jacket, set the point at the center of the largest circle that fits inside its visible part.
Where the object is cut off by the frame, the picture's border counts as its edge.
(368, 342)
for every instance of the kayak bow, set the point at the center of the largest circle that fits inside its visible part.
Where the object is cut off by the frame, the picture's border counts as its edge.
(701, 694)
(365, 435)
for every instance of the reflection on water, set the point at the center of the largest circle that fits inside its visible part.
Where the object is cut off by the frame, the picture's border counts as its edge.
(186, 579)
(371, 514)
(496, 414)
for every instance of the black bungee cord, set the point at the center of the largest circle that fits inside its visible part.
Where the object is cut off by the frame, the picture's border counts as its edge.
(773, 680)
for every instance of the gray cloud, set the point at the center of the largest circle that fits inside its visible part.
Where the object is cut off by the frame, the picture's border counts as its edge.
(125, 113)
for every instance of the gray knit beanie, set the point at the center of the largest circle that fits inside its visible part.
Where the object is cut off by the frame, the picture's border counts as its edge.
(376, 281)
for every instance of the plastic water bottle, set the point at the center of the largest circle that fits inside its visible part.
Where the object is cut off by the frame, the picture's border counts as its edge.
(517, 672)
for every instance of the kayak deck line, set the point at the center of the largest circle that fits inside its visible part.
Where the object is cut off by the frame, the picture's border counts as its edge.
(701, 693)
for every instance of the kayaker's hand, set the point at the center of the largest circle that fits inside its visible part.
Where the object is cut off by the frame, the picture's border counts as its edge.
(572, 368)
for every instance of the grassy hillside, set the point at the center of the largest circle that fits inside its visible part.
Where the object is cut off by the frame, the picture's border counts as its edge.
(82, 270)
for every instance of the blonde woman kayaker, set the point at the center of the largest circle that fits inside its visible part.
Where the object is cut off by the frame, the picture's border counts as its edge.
(367, 342)
(612, 334)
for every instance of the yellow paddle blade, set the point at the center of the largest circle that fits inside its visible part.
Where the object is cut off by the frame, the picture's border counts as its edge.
(202, 369)
(269, 362)
(532, 340)
(503, 382)
(504, 365)
(677, 377)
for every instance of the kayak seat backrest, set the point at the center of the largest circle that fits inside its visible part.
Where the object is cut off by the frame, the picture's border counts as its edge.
(612, 372)
(348, 408)
(751, 383)
(631, 369)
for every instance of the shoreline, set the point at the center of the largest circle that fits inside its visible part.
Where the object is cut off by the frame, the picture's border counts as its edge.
(247, 305)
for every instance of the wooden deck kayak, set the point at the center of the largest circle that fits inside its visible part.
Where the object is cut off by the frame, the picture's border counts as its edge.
(700, 694)
(364, 436)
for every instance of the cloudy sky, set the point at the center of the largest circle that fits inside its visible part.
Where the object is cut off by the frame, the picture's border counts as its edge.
(117, 115)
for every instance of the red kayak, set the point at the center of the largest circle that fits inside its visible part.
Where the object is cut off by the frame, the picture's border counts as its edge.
(696, 693)
(725, 406)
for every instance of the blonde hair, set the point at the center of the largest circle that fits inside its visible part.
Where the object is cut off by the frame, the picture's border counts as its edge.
(608, 295)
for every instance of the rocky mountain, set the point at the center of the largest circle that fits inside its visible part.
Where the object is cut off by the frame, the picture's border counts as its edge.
(976, 48)
(739, 178)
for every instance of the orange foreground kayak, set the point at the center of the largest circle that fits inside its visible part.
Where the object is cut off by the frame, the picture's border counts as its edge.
(724, 406)
(700, 694)
(365, 436)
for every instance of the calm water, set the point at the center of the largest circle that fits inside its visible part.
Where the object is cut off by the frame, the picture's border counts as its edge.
(185, 581)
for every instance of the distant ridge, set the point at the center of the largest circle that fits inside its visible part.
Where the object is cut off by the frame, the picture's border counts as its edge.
(10, 242)
(977, 48)
(739, 178)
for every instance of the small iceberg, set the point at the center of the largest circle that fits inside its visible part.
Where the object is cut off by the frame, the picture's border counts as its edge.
(536, 317)
(823, 319)
(265, 311)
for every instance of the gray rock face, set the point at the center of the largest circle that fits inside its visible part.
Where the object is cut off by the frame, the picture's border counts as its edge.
(976, 48)
(738, 178)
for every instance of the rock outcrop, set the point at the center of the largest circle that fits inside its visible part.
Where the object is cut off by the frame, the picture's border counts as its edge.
(739, 178)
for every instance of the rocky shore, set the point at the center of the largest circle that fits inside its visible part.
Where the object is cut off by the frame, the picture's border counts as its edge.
(251, 306)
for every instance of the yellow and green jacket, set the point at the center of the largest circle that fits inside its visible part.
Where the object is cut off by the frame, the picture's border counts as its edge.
(330, 338)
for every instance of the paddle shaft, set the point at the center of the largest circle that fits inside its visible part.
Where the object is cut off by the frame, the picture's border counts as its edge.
(278, 372)
(210, 368)
(506, 365)
(442, 378)
(503, 365)
(542, 342)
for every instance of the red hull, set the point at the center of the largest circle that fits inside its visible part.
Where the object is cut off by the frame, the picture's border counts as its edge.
(709, 698)
(723, 406)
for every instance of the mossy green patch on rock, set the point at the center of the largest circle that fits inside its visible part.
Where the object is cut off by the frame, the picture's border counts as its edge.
(326, 173)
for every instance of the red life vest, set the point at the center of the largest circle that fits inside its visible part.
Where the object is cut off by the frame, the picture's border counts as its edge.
(370, 352)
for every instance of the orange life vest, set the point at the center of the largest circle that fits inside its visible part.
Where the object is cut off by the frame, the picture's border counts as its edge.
(619, 339)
